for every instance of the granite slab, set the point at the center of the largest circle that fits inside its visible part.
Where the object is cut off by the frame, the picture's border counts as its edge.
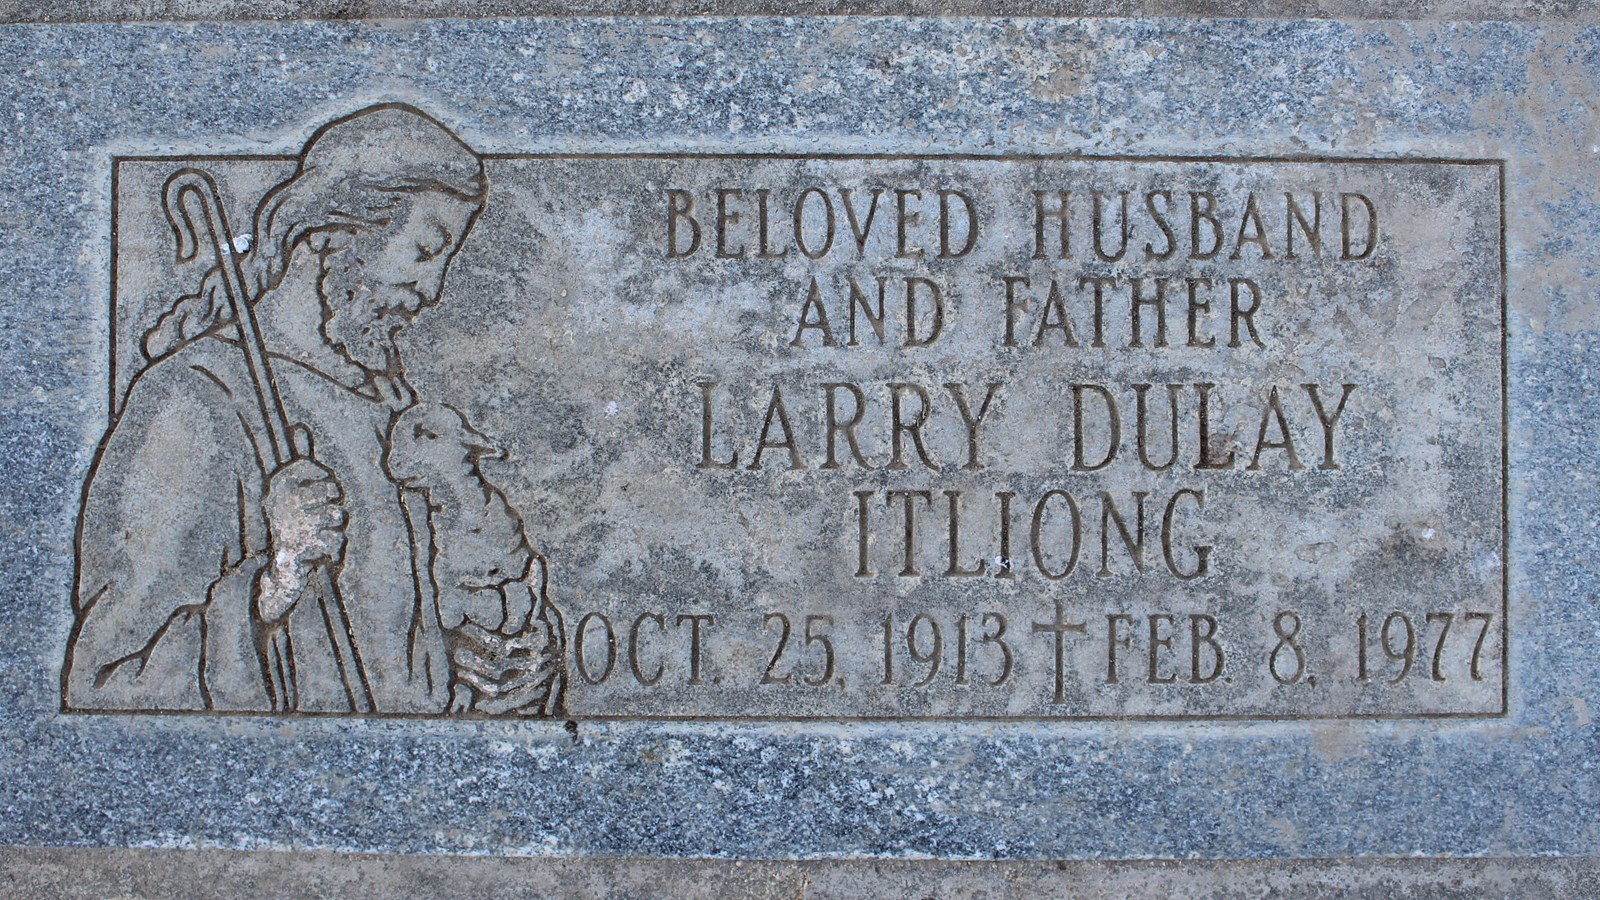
(800, 438)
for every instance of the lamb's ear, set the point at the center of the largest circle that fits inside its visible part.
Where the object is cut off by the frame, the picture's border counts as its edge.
(477, 451)
(479, 445)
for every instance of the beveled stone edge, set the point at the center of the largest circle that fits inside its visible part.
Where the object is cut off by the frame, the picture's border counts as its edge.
(86, 11)
(97, 872)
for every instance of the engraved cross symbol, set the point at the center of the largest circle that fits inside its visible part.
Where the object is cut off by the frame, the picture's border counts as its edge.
(1060, 627)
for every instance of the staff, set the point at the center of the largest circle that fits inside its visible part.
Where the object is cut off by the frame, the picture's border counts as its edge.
(193, 187)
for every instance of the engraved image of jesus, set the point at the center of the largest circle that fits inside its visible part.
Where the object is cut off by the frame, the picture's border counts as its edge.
(275, 521)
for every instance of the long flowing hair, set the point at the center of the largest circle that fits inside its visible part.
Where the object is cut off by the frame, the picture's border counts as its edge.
(357, 172)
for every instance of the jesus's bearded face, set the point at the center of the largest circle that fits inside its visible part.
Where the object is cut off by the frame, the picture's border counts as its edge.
(375, 280)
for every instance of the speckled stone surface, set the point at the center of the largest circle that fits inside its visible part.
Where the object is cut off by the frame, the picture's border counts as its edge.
(1519, 785)
(175, 874)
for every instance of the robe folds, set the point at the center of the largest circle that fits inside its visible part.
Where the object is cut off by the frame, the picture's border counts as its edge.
(173, 536)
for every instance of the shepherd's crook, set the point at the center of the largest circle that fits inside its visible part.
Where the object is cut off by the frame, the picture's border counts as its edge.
(288, 443)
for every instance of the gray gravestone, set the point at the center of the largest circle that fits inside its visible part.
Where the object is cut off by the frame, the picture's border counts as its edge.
(801, 438)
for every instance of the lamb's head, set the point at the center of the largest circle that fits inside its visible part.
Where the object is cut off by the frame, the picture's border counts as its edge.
(431, 444)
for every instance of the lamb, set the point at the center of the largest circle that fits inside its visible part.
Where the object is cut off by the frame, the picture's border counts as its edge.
(502, 635)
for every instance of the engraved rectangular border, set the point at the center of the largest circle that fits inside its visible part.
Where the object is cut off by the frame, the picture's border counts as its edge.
(1497, 164)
